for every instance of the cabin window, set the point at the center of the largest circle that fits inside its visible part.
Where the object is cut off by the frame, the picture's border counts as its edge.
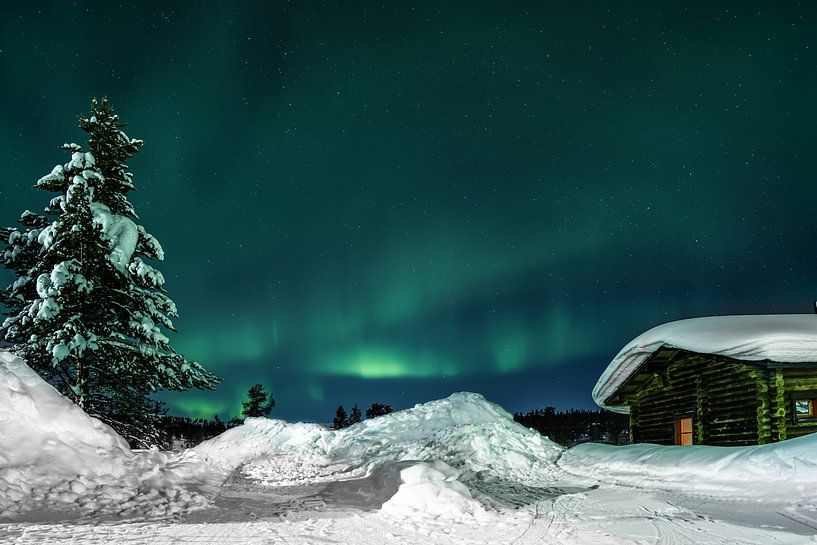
(804, 409)
(683, 431)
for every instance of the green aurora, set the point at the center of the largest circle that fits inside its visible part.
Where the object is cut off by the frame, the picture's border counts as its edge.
(393, 202)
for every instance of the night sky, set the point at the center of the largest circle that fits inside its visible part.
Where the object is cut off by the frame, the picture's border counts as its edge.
(389, 203)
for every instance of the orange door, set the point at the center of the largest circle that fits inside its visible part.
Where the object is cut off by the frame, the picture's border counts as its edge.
(683, 431)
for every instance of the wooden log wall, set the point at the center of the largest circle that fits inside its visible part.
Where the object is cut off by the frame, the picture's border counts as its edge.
(723, 396)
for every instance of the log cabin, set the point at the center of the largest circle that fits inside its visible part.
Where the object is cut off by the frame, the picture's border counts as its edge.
(722, 380)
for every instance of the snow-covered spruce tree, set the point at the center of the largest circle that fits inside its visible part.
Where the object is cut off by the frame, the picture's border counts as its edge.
(87, 310)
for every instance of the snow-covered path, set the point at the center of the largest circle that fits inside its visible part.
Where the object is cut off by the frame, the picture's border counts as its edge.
(314, 515)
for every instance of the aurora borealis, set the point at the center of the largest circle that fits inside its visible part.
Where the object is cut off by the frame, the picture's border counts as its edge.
(365, 203)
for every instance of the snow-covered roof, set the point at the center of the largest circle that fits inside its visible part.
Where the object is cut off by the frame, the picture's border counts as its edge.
(787, 338)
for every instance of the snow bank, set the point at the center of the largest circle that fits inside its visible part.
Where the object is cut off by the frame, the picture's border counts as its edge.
(45, 438)
(790, 338)
(53, 456)
(785, 471)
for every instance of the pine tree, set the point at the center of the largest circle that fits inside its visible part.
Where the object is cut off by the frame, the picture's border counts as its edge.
(87, 311)
(356, 416)
(257, 404)
(341, 419)
(378, 409)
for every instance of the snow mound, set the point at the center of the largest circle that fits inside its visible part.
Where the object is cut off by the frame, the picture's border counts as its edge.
(53, 456)
(47, 434)
(441, 448)
(785, 471)
(466, 432)
(463, 430)
(790, 338)
(432, 489)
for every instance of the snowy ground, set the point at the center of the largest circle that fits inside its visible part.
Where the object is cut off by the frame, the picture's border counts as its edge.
(453, 471)
(347, 513)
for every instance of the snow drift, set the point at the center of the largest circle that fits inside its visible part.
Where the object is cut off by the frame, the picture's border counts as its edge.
(44, 431)
(54, 456)
(785, 471)
(48, 445)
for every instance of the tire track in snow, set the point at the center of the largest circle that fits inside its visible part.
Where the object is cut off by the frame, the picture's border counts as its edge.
(800, 518)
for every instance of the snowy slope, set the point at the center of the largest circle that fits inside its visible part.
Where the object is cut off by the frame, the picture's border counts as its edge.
(47, 442)
(41, 428)
(54, 456)
(790, 338)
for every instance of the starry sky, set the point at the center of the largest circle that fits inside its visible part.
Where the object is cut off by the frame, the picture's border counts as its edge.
(395, 201)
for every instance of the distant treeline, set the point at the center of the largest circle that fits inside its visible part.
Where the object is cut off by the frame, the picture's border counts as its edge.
(577, 425)
(343, 420)
(179, 432)
(565, 427)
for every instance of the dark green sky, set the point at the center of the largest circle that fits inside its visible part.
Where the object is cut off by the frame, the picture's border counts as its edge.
(367, 203)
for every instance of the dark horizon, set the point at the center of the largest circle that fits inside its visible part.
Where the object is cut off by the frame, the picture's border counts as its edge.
(394, 203)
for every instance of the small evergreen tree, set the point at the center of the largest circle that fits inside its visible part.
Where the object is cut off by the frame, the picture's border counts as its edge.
(341, 419)
(355, 417)
(257, 404)
(87, 311)
(378, 409)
